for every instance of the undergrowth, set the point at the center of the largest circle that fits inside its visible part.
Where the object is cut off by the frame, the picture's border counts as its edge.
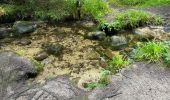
(129, 20)
(54, 10)
(103, 81)
(151, 51)
(140, 3)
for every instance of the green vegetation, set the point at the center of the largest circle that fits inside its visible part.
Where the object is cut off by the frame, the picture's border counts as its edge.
(38, 66)
(117, 63)
(103, 81)
(151, 51)
(131, 19)
(140, 3)
(55, 10)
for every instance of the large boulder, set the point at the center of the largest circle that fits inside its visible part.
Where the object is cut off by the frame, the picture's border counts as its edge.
(59, 88)
(23, 27)
(14, 70)
(141, 81)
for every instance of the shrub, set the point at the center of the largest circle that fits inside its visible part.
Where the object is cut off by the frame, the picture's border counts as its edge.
(55, 10)
(131, 19)
(151, 51)
(96, 8)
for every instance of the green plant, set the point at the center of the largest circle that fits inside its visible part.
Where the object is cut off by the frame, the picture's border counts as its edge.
(38, 66)
(103, 80)
(117, 63)
(152, 51)
(131, 19)
(140, 3)
(96, 8)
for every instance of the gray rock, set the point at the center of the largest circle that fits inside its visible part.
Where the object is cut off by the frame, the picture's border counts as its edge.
(118, 42)
(96, 35)
(41, 56)
(14, 73)
(14, 70)
(54, 49)
(150, 32)
(141, 81)
(5, 32)
(88, 24)
(25, 42)
(23, 27)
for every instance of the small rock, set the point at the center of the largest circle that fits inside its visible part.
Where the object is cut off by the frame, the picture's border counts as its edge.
(54, 49)
(23, 27)
(117, 42)
(151, 32)
(25, 42)
(5, 32)
(41, 56)
(88, 24)
(96, 35)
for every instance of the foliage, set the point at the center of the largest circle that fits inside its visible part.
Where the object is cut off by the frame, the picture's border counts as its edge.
(38, 66)
(103, 81)
(131, 19)
(96, 8)
(140, 3)
(152, 51)
(55, 10)
(117, 63)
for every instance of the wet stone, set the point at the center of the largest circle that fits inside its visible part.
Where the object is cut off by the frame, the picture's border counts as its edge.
(40, 56)
(25, 42)
(96, 35)
(54, 49)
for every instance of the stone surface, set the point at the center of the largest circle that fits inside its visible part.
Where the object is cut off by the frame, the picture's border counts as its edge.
(23, 27)
(54, 49)
(118, 42)
(24, 42)
(14, 70)
(96, 35)
(41, 56)
(5, 32)
(151, 32)
(141, 81)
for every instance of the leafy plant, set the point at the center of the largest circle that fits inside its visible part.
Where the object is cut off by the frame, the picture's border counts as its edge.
(131, 19)
(117, 63)
(152, 51)
(103, 81)
(96, 8)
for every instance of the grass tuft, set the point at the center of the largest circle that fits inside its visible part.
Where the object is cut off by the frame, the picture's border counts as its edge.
(131, 19)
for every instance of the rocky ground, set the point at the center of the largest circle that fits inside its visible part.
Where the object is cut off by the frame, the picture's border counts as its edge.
(71, 50)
